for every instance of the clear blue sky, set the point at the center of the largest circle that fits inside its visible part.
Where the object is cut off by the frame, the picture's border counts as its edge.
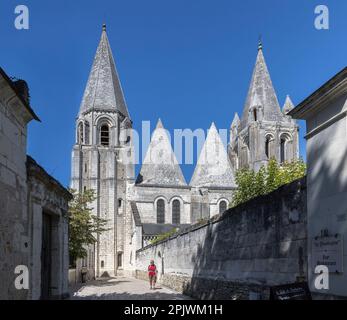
(188, 62)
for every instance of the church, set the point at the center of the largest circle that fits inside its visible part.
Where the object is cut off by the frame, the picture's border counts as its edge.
(159, 199)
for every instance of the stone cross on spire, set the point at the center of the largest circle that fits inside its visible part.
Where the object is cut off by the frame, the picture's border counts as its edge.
(260, 43)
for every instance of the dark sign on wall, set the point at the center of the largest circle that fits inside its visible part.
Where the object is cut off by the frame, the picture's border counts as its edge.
(295, 291)
(328, 251)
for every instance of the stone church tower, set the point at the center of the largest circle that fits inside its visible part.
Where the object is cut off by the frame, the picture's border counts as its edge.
(102, 157)
(264, 131)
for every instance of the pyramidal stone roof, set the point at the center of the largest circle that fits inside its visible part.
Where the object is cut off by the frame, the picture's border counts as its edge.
(160, 166)
(261, 93)
(236, 121)
(213, 168)
(104, 91)
(288, 105)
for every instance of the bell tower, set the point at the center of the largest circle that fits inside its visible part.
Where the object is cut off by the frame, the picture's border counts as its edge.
(265, 131)
(101, 157)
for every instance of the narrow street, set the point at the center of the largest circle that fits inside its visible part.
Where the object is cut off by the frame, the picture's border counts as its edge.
(122, 288)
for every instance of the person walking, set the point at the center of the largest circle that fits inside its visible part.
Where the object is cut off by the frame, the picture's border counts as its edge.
(152, 274)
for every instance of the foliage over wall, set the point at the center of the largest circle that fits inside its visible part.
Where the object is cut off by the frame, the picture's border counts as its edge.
(164, 236)
(252, 184)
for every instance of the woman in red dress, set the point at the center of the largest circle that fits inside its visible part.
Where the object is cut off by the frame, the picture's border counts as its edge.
(152, 274)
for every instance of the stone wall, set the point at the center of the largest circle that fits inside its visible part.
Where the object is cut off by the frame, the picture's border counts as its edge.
(47, 197)
(14, 249)
(28, 197)
(239, 254)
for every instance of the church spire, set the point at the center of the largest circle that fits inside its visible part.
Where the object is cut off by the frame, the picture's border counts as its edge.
(261, 92)
(213, 168)
(236, 121)
(104, 91)
(288, 105)
(160, 166)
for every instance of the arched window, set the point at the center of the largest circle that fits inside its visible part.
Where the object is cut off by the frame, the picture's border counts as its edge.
(268, 146)
(255, 115)
(222, 206)
(176, 212)
(104, 135)
(283, 150)
(80, 133)
(160, 211)
(87, 132)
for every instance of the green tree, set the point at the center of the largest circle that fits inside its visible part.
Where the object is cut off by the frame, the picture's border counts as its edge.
(83, 225)
(273, 176)
(252, 184)
(260, 182)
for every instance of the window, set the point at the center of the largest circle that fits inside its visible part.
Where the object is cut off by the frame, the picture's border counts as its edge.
(87, 132)
(104, 135)
(80, 133)
(176, 212)
(160, 211)
(119, 259)
(119, 203)
(267, 145)
(255, 116)
(102, 264)
(282, 150)
(222, 206)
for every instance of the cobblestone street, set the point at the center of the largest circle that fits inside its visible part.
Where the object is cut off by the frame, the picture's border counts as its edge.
(122, 288)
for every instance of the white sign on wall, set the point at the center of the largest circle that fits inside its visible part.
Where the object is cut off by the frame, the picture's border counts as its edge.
(328, 251)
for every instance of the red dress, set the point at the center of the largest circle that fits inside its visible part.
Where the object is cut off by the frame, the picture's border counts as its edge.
(152, 270)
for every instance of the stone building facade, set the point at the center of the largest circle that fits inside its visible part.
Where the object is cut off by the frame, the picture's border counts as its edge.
(33, 207)
(159, 199)
(325, 113)
(48, 217)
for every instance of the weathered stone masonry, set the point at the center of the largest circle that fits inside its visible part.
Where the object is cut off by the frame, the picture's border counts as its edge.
(245, 250)
(33, 207)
